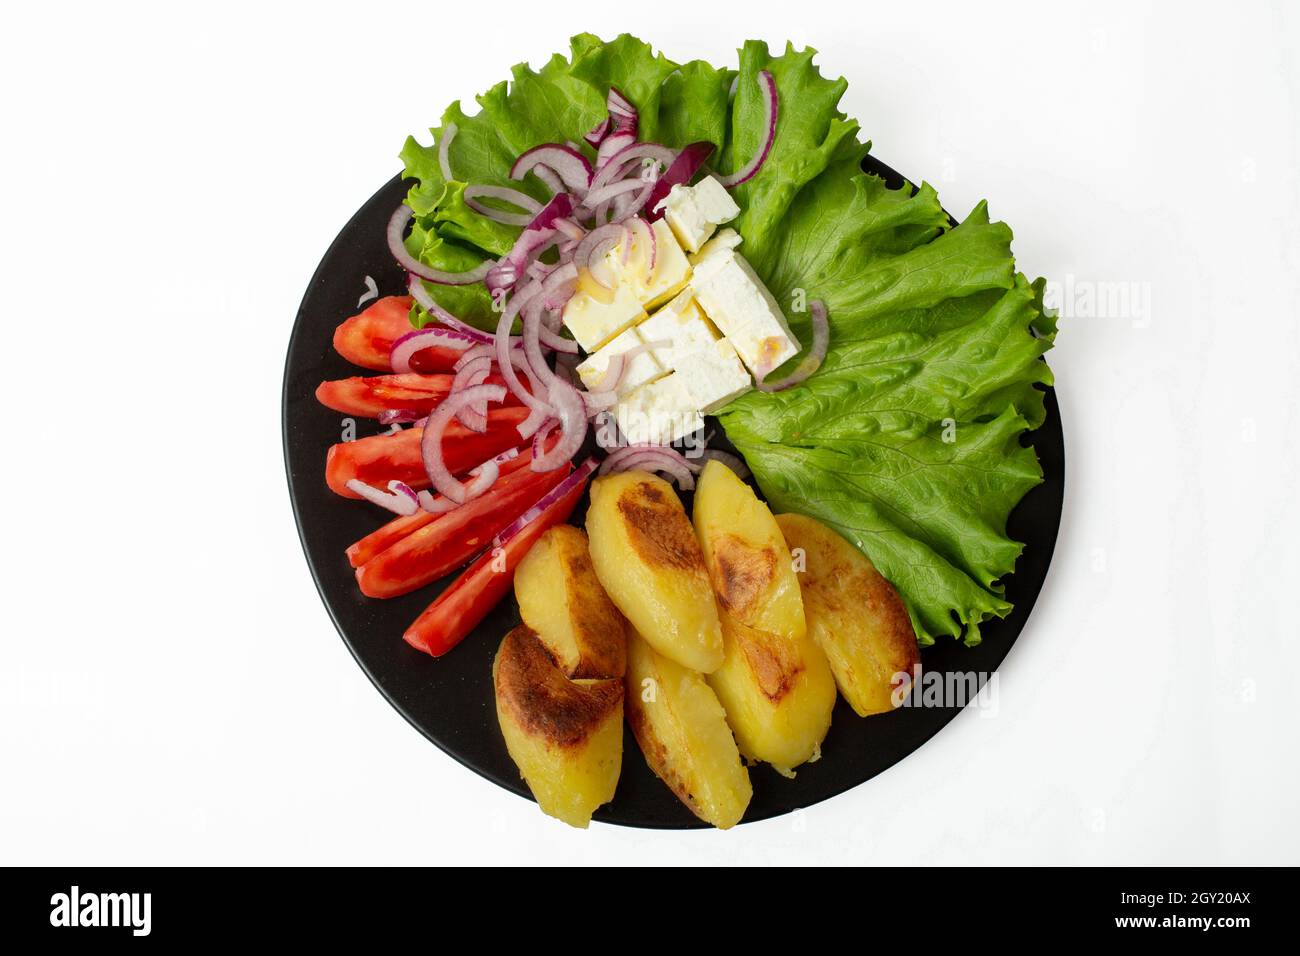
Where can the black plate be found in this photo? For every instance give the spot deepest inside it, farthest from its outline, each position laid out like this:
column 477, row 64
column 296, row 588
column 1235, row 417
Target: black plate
column 449, row 700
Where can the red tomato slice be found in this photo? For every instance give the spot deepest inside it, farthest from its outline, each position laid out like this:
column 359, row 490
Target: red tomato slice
column 386, row 536
column 459, row 609
column 394, row 531
column 379, row 459
column 441, row 547
column 367, row 396
column 367, row 338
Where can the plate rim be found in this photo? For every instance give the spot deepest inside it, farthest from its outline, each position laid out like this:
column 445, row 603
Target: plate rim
column 299, row 331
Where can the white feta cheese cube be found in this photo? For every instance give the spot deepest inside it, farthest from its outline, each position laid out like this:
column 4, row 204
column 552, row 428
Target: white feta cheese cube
column 595, row 315
column 693, row 212
column 724, row 240
column 671, row 269
column 713, row 376
column 658, row 413
column 682, row 325
column 745, row 312
column 643, row 367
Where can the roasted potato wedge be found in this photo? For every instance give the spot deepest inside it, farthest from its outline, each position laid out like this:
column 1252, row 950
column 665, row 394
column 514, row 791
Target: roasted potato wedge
column 854, row 615
column 561, row 599
column 648, row 559
column 566, row 737
column 747, row 558
column 778, row 693
column 774, row 682
column 683, row 732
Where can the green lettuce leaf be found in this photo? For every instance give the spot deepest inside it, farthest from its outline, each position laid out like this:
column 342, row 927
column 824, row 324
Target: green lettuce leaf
column 694, row 106
column 908, row 438
column 558, row 103
column 810, row 131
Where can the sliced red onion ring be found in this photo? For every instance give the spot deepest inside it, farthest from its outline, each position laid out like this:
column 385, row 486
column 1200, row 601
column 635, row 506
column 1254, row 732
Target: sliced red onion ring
column 535, row 420
column 613, row 144
column 571, row 481
column 549, row 179
column 643, row 233
column 598, row 133
column 629, row 205
column 652, row 462
column 679, row 173
column 620, row 107
column 532, row 347
column 509, row 359
column 570, row 229
column 478, row 351
column 621, row 129
column 539, row 236
column 397, row 229
column 734, row 462
column 570, row 409
column 538, row 439
column 516, row 198
column 437, row 505
column 568, row 163
column 556, row 292
column 628, row 452
column 767, row 85
column 623, row 452
column 622, row 164
column 626, row 241
column 473, row 417
column 816, row 355
column 440, row 504
column 399, row 416
column 415, row 285
column 444, row 151
column 431, row 441
column 399, row 498
column 606, row 193
column 593, row 249
column 485, row 476
column 537, row 416
column 628, row 202
column 560, row 207
column 407, row 345
column 514, row 265
column 598, row 402
column 553, row 340
column 619, row 364
column 510, row 454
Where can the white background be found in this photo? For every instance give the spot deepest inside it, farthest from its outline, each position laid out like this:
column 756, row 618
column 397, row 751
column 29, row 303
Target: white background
column 171, row 690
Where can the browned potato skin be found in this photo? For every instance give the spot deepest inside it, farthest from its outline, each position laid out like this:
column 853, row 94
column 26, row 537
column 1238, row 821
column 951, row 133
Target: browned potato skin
column 561, row 599
column 565, row 736
column 853, row 614
column 683, row 732
column 648, row 559
column 774, row 682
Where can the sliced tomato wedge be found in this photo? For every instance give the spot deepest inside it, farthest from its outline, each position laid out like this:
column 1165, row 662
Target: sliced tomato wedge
column 367, row 396
column 460, row 608
column 383, row 538
column 379, row 459
column 368, row 337
column 442, row 546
